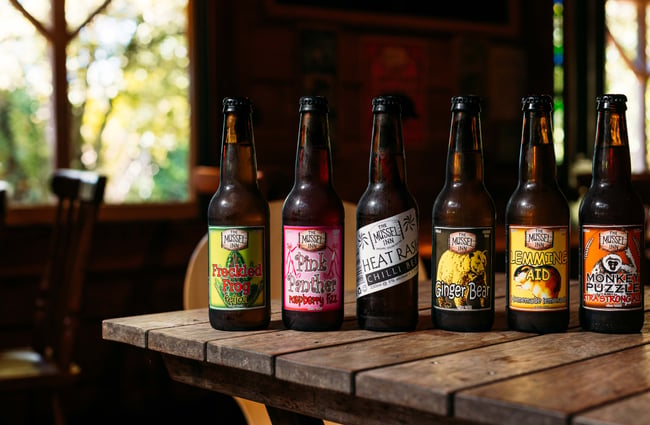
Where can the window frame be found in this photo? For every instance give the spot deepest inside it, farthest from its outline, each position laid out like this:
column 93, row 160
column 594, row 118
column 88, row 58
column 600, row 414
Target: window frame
column 141, row 211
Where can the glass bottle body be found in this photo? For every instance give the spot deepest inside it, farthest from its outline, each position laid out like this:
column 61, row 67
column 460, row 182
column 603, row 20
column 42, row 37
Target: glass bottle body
column 238, row 231
column 313, row 228
column 387, row 231
column 463, row 230
column 612, row 219
column 537, row 231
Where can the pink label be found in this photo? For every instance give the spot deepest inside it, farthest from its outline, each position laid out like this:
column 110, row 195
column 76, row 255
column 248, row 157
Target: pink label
column 313, row 268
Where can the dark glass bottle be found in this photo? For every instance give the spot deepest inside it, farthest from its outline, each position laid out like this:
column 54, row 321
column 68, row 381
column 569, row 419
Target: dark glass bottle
column 464, row 216
column 238, row 230
column 611, row 230
column 537, row 230
column 312, row 230
column 387, row 230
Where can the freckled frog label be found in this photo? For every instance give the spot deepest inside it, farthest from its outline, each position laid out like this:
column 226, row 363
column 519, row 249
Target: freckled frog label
column 236, row 267
column 313, row 268
column 387, row 253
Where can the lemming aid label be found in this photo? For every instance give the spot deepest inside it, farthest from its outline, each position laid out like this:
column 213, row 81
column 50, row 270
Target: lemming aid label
column 463, row 279
column 387, row 253
column 236, row 267
column 611, row 260
column 313, row 268
column 538, row 269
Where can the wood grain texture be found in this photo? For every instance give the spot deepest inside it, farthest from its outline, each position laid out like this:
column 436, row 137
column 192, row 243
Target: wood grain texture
column 634, row 410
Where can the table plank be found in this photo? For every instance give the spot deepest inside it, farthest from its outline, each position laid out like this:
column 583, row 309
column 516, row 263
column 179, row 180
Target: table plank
column 629, row 411
column 134, row 329
column 555, row 395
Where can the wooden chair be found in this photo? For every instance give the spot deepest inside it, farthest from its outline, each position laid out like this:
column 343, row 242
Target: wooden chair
column 195, row 289
column 47, row 366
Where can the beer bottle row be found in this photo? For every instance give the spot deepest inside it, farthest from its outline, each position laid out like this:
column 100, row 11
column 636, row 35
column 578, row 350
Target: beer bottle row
column 537, row 223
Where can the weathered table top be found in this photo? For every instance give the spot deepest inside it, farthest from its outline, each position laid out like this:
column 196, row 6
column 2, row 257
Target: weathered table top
column 355, row 376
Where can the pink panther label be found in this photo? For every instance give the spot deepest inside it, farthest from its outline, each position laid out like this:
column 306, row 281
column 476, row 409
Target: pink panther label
column 313, row 268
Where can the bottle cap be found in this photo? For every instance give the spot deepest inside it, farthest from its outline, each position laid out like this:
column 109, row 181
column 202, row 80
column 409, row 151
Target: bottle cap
column 611, row 101
column 538, row 102
column 233, row 104
column 386, row 104
column 470, row 103
column 313, row 103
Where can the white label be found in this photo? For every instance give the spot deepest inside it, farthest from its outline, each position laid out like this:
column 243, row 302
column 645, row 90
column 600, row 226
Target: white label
column 387, row 252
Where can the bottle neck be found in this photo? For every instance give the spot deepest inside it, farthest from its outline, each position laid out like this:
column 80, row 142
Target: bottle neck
column 387, row 156
column 612, row 150
column 238, row 161
column 313, row 162
column 465, row 153
column 537, row 156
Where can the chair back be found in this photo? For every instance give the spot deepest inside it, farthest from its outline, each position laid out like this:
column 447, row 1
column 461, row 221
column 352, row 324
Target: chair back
column 4, row 189
column 79, row 195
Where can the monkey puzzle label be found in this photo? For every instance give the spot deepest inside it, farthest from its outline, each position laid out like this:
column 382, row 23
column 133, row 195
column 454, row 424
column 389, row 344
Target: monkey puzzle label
column 462, row 270
column 313, row 268
column 236, row 267
column 538, row 268
column 387, row 253
column 611, row 276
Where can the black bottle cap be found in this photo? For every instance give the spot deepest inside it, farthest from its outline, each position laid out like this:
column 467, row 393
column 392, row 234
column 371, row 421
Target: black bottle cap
column 537, row 102
column 611, row 101
column 386, row 104
column 233, row 104
column 313, row 103
column 469, row 103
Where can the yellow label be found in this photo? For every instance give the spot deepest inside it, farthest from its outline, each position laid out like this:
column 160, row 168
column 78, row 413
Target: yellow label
column 538, row 268
column 236, row 267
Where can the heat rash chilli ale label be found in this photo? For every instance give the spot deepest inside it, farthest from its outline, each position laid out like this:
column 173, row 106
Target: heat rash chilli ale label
column 538, row 268
column 611, row 260
column 313, row 268
column 387, row 253
column 236, row 267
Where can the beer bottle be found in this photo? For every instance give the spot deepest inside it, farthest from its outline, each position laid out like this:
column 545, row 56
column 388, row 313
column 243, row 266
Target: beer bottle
column 238, row 230
column 312, row 230
column 463, row 229
column 387, row 230
column 537, row 230
column 611, row 230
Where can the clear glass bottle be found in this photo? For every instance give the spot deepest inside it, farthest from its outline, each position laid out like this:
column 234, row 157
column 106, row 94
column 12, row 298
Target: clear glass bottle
column 612, row 220
column 313, row 230
column 463, row 229
column 537, row 230
column 387, row 230
column 238, row 230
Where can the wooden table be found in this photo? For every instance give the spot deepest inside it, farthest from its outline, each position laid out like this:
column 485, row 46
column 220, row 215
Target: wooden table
column 428, row 376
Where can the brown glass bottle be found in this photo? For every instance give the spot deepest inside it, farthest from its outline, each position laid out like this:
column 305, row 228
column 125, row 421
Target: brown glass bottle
column 238, row 230
column 537, row 230
column 463, row 216
column 611, row 230
column 312, row 230
column 387, row 230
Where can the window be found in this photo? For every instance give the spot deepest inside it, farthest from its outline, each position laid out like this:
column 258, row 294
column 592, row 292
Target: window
column 626, row 69
column 100, row 85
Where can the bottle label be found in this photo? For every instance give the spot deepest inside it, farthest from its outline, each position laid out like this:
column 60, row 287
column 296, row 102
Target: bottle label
column 236, row 267
column 611, row 272
column 463, row 268
column 387, row 253
column 313, row 268
column 538, row 269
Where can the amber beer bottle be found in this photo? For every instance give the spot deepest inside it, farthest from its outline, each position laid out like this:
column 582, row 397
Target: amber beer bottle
column 537, row 230
column 611, row 230
column 463, row 229
column 312, row 230
column 238, row 230
column 387, row 230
